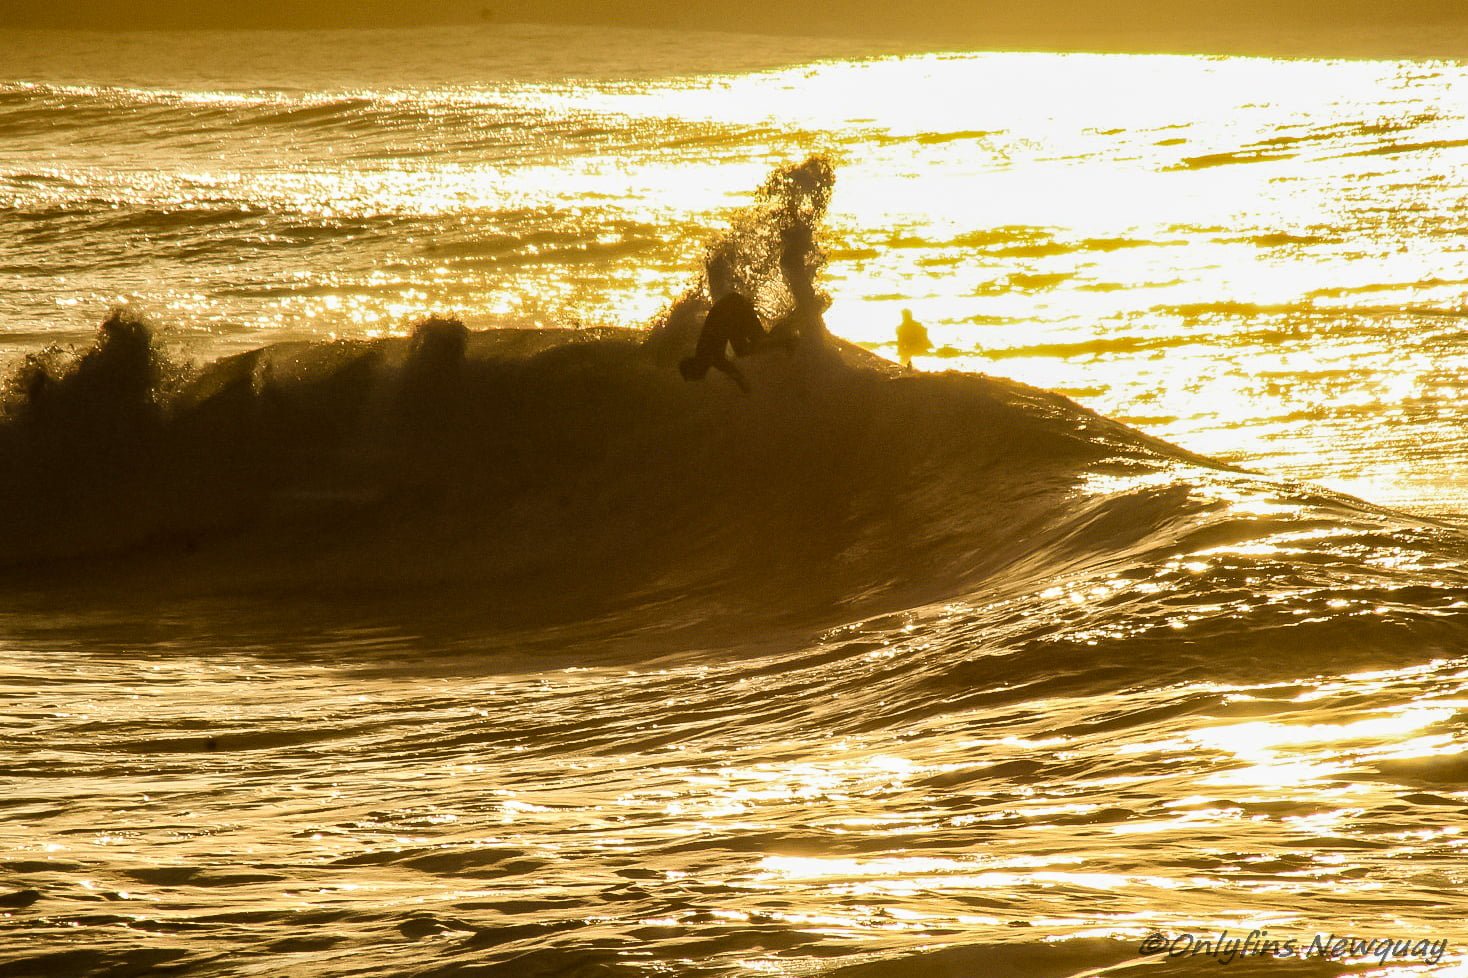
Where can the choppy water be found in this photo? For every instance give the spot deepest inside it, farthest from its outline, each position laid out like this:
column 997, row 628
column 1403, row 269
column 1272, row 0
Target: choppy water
column 337, row 658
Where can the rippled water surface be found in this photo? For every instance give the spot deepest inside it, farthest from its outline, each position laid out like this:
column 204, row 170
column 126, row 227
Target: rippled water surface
column 867, row 674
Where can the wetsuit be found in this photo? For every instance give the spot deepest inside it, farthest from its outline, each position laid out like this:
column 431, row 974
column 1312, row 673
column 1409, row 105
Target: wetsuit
column 731, row 322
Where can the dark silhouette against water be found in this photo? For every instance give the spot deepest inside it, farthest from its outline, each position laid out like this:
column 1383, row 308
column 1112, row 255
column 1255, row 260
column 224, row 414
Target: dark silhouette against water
column 732, row 322
column 770, row 258
column 912, row 339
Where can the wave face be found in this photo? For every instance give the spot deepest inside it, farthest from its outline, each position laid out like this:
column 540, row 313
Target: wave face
column 552, row 476
column 543, row 477
column 573, row 463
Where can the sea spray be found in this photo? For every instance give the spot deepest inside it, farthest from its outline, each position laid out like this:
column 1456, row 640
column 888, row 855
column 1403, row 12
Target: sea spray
column 791, row 203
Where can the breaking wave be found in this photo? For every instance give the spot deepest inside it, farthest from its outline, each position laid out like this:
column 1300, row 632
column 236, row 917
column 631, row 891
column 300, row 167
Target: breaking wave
column 562, row 476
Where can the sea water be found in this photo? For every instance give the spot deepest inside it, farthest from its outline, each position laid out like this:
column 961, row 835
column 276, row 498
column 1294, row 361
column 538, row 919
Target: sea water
column 557, row 665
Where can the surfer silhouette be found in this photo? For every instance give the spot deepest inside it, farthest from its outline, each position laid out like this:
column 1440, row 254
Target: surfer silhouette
column 734, row 322
column 912, row 339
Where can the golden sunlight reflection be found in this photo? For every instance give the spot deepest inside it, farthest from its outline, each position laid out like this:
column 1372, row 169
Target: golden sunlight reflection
column 1271, row 749
column 917, row 874
column 616, row 674
column 1165, row 238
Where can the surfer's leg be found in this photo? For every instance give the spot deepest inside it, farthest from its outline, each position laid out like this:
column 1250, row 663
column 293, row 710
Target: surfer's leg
column 747, row 333
column 733, row 373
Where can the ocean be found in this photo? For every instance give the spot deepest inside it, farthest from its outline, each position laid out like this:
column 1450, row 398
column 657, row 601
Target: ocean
column 1125, row 634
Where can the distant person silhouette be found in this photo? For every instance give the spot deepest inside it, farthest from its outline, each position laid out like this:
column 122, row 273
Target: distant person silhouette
column 912, row 339
column 732, row 321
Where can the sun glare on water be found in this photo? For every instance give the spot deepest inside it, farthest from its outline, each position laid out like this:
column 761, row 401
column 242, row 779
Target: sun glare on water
column 505, row 650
